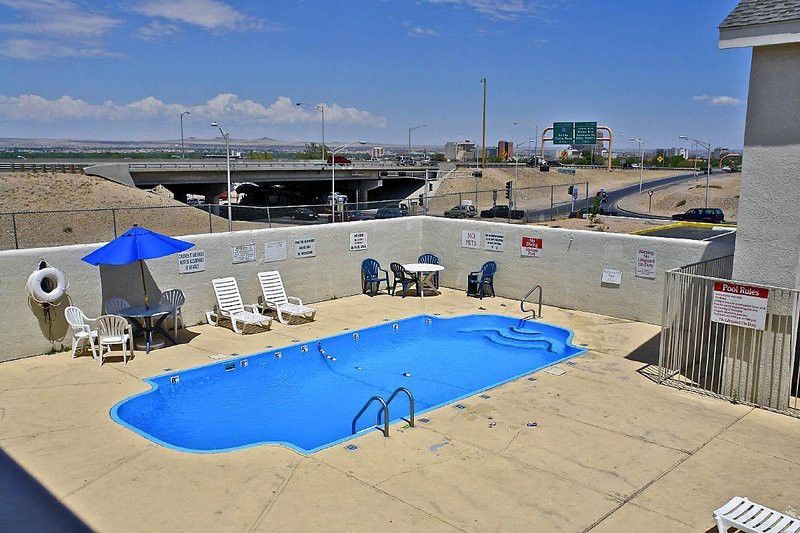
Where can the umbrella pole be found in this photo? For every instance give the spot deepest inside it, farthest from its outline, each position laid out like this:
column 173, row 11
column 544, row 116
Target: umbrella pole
column 144, row 284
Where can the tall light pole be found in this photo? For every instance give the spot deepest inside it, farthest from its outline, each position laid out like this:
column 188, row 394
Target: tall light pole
column 513, row 200
column 483, row 139
column 227, row 137
column 333, row 175
column 409, row 135
column 321, row 109
column 534, row 128
column 641, row 160
column 183, row 150
column 707, row 146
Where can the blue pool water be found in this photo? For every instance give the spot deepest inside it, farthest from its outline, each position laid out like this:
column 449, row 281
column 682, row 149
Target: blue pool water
column 297, row 397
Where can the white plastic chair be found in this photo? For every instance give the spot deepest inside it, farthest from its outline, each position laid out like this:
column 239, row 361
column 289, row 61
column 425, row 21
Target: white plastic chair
column 115, row 305
column 82, row 331
column 114, row 330
column 275, row 298
column 751, row 517
column 176, row 299
column 230, row 306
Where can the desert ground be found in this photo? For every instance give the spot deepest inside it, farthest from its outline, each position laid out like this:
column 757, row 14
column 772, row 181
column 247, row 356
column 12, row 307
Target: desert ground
column 723, row 192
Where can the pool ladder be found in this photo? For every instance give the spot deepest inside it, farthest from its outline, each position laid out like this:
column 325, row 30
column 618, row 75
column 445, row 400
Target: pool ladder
column 385, row 410
column 524, row 300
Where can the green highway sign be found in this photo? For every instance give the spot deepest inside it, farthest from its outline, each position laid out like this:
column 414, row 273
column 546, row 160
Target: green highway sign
column 563, row 132
column 574, row 132
column 585, row 132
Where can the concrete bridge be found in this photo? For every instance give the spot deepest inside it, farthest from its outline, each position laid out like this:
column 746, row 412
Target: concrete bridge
column 209, row 178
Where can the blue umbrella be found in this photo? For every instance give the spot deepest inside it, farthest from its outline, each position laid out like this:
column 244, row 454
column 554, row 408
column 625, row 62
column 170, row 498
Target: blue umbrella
column 136, row 244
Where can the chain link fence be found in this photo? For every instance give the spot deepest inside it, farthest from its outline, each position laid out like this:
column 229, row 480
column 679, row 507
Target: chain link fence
column 35, row 229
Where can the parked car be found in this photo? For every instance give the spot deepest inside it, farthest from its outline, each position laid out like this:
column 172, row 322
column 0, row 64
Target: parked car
column 713, row 215
column 389, row 212
column 304, row 213
column 502, row 211
column 350, row 216
column 461, row 211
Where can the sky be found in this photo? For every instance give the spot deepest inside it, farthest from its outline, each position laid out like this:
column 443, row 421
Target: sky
column 126, row 70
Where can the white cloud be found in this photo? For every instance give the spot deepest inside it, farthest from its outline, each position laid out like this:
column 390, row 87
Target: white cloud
column 56, row 28
column 498, row 9
column 417, row 31
column 718, row 100
column 157, row 30
column 226, row 107
column 210, row 15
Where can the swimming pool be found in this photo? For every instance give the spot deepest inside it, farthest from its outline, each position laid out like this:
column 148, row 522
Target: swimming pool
column 306, row 395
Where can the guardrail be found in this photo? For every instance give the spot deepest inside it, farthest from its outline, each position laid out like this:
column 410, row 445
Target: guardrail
column 266, row 165
column 44, row 167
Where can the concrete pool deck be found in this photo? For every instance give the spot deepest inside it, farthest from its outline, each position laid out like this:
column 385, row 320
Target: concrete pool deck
column 612, row 450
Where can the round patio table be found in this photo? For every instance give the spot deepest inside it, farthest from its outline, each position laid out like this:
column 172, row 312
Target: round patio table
column 147, row 319
column 424, row 272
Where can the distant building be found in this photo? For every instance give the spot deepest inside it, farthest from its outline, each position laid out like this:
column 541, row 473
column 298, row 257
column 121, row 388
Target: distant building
column 719, row 152
column 491, row 151
column 505, row 150
column 680, row 152
column 378, row 152
column 459, row 151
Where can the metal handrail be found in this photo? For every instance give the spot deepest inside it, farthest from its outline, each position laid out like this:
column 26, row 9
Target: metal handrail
column 525, row 298
column 385, row 410
column 407, row 392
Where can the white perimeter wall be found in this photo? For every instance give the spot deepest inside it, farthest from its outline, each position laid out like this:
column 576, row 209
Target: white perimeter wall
column 569, row 269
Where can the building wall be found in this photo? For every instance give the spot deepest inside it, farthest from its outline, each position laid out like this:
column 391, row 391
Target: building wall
column 768, row 237
column 569, row 269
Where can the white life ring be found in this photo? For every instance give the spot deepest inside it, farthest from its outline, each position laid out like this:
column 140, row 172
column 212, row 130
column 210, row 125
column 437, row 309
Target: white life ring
column 50, row 291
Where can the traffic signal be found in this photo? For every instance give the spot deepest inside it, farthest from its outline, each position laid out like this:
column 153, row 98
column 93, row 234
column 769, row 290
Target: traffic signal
column 430, row 186
column 421, row 199
column 571, row 188
column 508, row 189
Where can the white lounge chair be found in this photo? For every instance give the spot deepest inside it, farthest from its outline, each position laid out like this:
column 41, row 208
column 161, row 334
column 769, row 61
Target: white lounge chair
column 175, row 298
column 115, row 305
column 230, row 306
column 275, row 298
column 113, row 330
column 751, row 517
column 81, row 329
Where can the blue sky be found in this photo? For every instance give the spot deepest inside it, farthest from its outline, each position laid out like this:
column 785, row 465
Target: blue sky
column 108, row 70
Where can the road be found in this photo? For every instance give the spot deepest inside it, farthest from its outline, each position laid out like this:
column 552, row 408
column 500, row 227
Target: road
column 614, row 196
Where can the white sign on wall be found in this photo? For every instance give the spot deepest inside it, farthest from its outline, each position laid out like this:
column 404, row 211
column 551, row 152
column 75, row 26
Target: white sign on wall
column 191, row 261
column 646, row 264
column 494, row 242
column 739, row 305
column 470, row 239
column 305, row 248
column 531, row 247
column 358, row 241
column 245, row 253
column 612, row 277
column 274, row 251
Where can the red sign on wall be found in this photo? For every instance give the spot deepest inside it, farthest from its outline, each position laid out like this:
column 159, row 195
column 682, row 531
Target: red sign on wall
column 531, row 247
column 739, row 305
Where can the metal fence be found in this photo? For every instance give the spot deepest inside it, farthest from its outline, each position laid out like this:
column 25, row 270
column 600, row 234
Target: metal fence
column 741, row 364
column 545, row 202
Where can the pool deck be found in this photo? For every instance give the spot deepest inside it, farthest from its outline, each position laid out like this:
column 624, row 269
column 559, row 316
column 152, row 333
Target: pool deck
column 611, row 451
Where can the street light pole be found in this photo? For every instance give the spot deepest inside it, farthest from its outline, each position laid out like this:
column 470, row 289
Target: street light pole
column 409, row 136
column 641, row 161
column 183, row 150
column 707, row 146
column 227, row 137
column 483, row 139
column 321, row 109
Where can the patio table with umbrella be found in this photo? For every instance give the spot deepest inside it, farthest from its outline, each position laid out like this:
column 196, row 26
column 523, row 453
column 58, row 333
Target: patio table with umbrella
column 138, row 244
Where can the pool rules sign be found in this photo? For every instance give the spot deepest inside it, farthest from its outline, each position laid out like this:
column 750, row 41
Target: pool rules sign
column 739, row 305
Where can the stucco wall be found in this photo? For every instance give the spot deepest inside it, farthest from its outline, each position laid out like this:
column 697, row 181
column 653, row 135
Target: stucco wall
column 569, row 269
column 768, row 236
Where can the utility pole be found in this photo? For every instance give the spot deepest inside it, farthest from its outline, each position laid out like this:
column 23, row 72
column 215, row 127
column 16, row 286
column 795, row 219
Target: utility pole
column 183, row 149
column 483, row 140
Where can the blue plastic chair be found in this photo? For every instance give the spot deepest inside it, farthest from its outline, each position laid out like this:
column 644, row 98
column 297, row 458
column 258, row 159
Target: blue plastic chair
column 403, row 277
column 371, row 277
column 482, row 281
column 430, row 259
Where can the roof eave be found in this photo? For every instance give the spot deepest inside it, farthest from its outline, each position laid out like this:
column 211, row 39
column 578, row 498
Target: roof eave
column 760, row 35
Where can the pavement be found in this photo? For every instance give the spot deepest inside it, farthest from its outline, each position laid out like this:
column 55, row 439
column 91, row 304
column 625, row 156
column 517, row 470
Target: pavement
column 612, row 450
